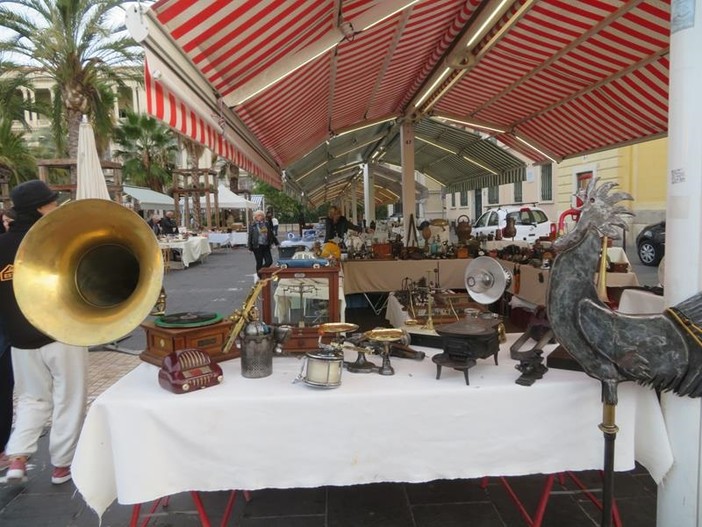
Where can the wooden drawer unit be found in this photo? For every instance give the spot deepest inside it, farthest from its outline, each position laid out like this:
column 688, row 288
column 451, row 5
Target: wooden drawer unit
column 210, row 339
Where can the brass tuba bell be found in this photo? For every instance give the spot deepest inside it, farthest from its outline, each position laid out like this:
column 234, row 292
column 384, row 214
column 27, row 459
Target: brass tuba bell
column 88, row 273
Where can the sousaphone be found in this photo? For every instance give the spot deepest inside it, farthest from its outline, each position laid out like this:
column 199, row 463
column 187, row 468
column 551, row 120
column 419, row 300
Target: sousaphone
column 88, row 273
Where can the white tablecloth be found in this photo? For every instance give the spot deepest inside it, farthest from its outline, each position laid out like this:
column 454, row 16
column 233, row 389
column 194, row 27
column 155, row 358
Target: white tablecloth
column 365, row 276
column 193, row 249
column 219, row 238
column 140, row 442
column 394, row 312
column 238, row 238
column 638, row 301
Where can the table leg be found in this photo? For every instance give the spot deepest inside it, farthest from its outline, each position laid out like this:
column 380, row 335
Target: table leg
column 204, row 520
column 465, row 374
column 540, row 508
column 136, row 510
column 438, row 371
column 616, row 518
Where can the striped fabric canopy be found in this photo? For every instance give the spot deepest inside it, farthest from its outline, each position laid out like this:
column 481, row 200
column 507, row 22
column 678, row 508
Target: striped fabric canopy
column 266, row 82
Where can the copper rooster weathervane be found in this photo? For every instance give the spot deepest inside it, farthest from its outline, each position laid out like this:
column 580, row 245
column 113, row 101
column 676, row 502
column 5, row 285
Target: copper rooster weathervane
column 663, row 351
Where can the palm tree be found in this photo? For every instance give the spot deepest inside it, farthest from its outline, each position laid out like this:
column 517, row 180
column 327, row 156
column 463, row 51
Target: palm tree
column 71, row 42
column 146, row 148
column 16, row 161
column 12, row 105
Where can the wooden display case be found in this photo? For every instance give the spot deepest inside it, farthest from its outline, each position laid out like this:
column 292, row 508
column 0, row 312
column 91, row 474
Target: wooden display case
column 302, row 298
column 210, row 339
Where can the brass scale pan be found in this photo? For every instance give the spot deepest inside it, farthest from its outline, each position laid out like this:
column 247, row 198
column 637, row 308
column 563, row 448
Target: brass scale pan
column 88, row 272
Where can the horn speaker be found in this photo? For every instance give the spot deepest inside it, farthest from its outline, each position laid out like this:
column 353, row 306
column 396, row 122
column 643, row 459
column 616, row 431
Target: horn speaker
column 486, row 280
column 88, row 272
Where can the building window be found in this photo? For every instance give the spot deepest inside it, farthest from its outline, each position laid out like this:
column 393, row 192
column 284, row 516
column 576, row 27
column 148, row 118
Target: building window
column 546, row 182
column 518, row 194
column 453, row 199
column 493, row 194
column 464, row 198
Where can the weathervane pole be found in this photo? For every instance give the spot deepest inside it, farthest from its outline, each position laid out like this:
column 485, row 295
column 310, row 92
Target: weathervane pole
column 609, row 429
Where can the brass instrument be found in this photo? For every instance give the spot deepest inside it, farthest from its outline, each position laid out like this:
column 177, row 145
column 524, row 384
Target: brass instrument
column 88, row 273
column 241, row 316
column 602, row 276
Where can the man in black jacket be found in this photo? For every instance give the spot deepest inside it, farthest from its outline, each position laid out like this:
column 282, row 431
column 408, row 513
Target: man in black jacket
column 337, row 225
column 50, row 377
column 168, row 223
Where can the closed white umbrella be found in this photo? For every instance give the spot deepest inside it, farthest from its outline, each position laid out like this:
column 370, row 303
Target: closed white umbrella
column 90, row 181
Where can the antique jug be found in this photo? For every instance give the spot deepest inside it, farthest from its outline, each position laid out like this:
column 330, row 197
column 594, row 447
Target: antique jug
column 463, row 229
column 510, row 231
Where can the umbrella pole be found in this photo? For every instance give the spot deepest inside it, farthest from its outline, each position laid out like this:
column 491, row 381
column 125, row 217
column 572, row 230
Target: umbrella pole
column 609, row 429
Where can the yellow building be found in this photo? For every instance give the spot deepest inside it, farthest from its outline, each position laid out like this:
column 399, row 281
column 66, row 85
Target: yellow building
column 639, row 169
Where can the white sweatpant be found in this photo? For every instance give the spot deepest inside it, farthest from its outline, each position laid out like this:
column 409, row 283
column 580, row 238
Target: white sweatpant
column 50, row 382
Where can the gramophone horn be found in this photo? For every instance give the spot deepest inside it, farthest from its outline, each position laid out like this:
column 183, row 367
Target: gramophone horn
column 88, row 272
column 486, row 280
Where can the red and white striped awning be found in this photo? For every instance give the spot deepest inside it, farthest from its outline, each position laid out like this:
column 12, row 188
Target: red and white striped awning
column 549, row 78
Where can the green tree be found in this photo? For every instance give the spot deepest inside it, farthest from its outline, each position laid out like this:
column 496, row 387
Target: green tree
column 146, row 148
column 286, row 209
column 73, row 43
column 16, row 160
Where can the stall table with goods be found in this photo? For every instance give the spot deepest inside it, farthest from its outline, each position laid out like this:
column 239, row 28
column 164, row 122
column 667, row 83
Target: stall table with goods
column 493, row 427
column 189, row 250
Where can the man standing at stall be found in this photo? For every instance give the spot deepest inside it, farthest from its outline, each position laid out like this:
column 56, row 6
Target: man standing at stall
column 337, row 225
column 51, row 378
column 168, row 223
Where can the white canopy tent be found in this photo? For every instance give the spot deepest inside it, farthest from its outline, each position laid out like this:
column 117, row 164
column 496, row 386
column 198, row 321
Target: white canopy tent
column 229, row 200
column 149, row 199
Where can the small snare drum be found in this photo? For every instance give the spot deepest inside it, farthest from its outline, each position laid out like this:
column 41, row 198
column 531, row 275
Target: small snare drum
column 323, row 369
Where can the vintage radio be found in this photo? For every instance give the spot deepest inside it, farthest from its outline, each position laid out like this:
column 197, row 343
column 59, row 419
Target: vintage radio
column 188, row 370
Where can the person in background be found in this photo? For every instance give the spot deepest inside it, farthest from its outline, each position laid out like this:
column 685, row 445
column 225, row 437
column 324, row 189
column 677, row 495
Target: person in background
column 155, row 224
column 6, row 217
column 169, row 224
column 337, row 225
column 273, row 221
column 51, row 378
column 301, row 221
column 260, row 239
column 7, row 379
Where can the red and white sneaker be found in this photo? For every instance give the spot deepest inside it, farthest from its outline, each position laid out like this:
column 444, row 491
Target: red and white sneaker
column 17, row 471
column 61, row 475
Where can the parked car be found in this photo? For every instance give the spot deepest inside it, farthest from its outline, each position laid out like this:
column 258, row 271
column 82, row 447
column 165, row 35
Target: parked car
column 531, row 222
column 650, row 243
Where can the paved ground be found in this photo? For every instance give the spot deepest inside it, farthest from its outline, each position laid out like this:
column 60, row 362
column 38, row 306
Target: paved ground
column 221, row 284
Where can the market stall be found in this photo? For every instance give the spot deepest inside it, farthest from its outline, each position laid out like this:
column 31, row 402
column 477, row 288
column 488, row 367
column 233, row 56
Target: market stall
column 190, row 250
column 485, row 429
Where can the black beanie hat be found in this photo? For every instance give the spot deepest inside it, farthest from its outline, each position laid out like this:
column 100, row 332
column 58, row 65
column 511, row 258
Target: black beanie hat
column 31, row 195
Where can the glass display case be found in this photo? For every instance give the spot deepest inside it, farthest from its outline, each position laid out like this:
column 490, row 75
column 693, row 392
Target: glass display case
column 302, row 298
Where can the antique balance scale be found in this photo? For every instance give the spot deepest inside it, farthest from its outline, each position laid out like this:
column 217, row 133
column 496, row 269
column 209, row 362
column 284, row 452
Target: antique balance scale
column 322, row 368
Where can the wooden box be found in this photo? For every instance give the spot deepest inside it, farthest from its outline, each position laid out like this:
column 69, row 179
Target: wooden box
column 210, row 339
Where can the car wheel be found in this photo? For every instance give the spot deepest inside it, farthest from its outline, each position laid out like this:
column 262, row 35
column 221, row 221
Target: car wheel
column 649, row 254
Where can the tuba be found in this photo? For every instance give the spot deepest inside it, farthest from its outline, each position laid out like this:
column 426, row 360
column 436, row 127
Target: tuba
column 88, row 273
